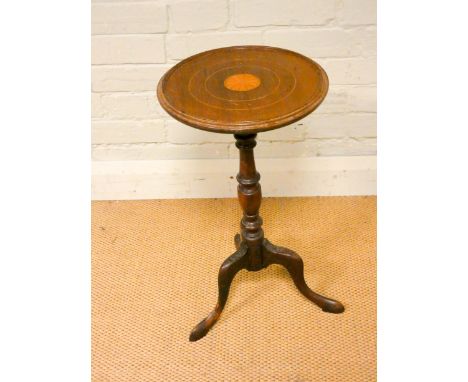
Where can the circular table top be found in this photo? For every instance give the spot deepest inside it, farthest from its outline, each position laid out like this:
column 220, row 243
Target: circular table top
column 242, row 89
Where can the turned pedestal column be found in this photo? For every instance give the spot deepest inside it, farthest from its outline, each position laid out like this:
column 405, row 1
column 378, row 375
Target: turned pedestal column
column 243, row 91
column 250, row 197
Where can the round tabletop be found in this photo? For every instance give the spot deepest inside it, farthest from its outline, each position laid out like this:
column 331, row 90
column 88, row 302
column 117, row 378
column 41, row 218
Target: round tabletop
column 242, row 89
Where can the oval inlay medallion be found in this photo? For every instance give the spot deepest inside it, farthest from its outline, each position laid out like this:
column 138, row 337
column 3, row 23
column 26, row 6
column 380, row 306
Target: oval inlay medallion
column 242, row 82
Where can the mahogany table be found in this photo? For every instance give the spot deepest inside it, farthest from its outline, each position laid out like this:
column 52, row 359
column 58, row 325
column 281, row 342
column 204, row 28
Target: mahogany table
column 245, row 90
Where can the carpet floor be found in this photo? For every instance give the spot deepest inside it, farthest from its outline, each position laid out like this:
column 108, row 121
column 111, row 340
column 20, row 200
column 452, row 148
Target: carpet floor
column 154, row 276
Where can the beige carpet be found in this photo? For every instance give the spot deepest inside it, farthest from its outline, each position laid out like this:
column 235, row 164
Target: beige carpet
column 155, row 267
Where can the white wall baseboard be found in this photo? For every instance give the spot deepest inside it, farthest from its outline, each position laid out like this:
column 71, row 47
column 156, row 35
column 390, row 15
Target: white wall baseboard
column 216, row 178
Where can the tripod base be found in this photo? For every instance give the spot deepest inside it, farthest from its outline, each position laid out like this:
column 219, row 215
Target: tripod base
column 270, row 254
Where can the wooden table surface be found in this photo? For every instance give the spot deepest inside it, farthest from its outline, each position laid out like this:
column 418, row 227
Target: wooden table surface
column 243, row 89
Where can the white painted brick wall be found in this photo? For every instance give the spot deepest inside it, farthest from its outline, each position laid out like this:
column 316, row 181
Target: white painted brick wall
column 250, row 13
column 126, row 78
column 182, row 46
column 127, row 106
column 197, row 15
column 129, row 131
column 359, row 12
column 134, row 42
column 126, row 18
column 128, row 49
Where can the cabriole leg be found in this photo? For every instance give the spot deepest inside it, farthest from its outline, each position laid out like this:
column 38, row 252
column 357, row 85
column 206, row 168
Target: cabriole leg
column 227, row 272
column 295, row 266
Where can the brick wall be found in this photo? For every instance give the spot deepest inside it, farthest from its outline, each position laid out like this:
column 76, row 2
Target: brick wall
column 135, row 42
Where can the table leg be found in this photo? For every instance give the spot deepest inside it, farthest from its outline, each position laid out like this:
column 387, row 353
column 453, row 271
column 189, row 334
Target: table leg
column 273, row 254
column 237, row 241
column 227, row 272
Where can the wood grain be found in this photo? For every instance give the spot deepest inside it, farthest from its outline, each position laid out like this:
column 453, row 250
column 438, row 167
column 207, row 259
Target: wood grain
column 242, row 89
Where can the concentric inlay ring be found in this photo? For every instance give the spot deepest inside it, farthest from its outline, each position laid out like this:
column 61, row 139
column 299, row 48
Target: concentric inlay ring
column 242, row 89
column 270, row 84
